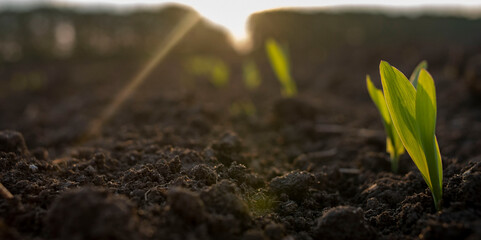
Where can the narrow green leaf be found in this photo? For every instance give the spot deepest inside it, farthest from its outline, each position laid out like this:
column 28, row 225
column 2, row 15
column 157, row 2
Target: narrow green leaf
column 278, row 59
column 252, row 78
column 440, row 163
column 400, row 96
column 426, row 119
column 394, row 145
column 378, row 99
column 280, row 64
column 414, row 76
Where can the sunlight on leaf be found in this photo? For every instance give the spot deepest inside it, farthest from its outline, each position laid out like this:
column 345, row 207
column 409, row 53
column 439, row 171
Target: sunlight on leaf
column 426, row 118
column 413, row 114
column 414, row 76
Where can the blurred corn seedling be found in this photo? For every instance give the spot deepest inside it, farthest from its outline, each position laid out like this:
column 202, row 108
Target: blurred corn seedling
column 279, row 59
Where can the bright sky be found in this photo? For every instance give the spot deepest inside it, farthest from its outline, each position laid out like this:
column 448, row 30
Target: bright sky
column 233, row 14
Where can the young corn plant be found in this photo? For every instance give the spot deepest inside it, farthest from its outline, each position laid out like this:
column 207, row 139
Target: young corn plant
column 413, row 114
column 214, row 68
column 279, row 59
column 394, row 145
column 252, row 77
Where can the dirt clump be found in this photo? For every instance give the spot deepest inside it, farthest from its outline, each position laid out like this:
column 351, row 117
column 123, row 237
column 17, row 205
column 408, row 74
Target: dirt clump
column 90, row 213
column 343, row 222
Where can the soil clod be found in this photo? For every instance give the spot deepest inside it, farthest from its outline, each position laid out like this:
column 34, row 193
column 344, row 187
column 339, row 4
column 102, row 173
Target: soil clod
column 12, row 141
column 295, row 184
column 343, row 222
column 90, row 213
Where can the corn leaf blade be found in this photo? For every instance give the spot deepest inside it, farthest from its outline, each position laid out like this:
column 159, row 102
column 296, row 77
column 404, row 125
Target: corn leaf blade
column 400, row 96
column 426, row 119
column 394, row 145
column 378, row 98
column 280, row 64
column 415, row 75
column 278, row 59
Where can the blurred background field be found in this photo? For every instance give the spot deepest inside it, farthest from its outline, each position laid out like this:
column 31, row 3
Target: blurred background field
column 67, row 64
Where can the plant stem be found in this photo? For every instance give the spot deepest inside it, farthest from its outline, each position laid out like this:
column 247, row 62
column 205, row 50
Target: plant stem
column 395, row 164
column 437, row 203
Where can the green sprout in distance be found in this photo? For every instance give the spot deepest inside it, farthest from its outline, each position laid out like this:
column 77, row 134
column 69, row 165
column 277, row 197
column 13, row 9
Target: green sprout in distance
column 413, row 113
column 212, row 67
column 252, row 78
column 279, row 60
column 394, row 144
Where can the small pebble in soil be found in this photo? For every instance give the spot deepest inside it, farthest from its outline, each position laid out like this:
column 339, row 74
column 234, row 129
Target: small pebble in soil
column 33, row 168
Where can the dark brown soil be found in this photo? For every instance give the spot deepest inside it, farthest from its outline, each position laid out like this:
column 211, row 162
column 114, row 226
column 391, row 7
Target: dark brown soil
column 173, row 163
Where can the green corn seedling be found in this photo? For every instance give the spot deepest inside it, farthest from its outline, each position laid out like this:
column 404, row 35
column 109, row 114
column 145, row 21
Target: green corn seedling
column 252, row 78
column 279, row 60
column 394, row 144
column 212, row 67
column 413, row 114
